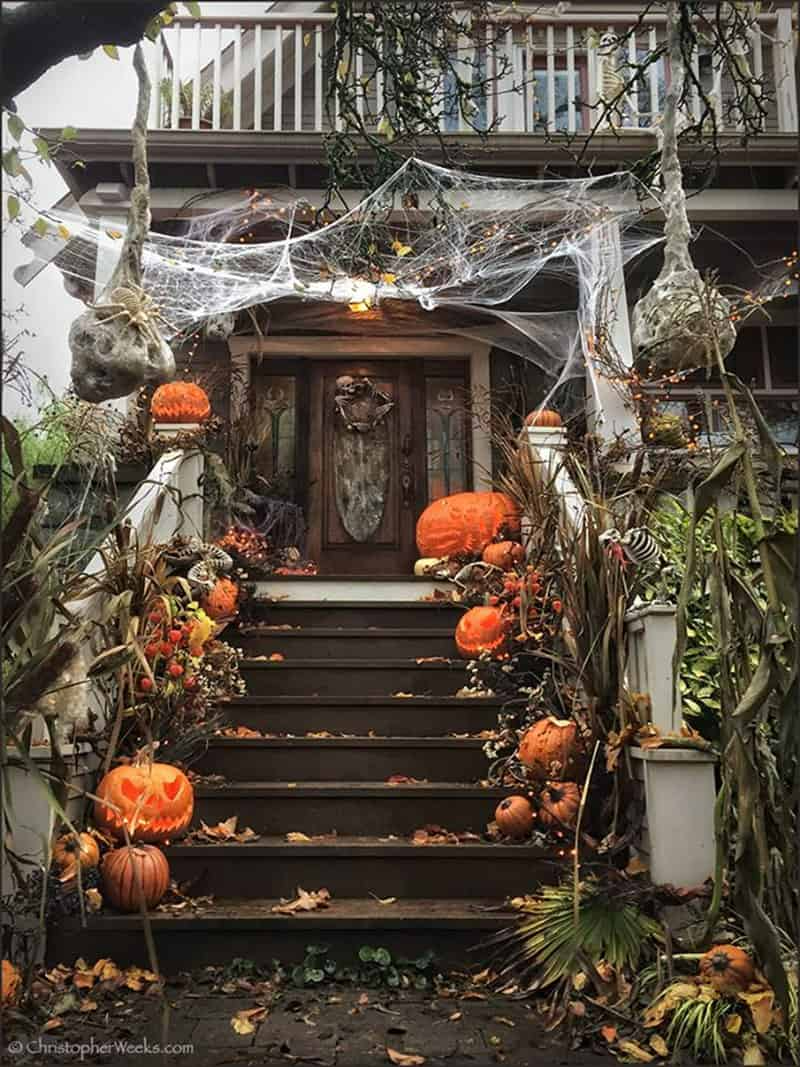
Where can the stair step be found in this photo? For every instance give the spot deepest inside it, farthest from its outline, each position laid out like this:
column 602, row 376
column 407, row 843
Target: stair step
column 373, row 808
column 402, row 614
column 342, row 677
column 349, row 866
column 248, row 928
column 418, row 716
column 350, row 759
column 326, row 642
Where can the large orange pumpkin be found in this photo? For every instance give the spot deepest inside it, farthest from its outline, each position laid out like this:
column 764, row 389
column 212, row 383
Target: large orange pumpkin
column 10, row 983
column 552, row 749
column 482, row 630
column 559, row 803
column 543, row 418
column 514, row 817
column 156, row 802
column 221, row 602
column 133, row 872
column 504, row 554
column 465, row 523
column 180, row 402
column 727, row 968
column 70, row 849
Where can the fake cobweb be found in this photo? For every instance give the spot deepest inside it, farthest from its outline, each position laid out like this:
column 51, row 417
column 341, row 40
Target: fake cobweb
column 530, row 266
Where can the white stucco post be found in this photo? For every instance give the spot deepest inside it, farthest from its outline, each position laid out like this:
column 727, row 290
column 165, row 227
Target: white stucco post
column 677, row 839
column 610, row 411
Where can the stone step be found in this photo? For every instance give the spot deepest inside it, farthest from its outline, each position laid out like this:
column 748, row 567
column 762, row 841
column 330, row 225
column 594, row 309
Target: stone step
column 355, row 613
column 348, row 808
column 351, row 643
column 248, row 928
column 344, row 759
column 360, row 866
column 418, row 716
column 323, row 677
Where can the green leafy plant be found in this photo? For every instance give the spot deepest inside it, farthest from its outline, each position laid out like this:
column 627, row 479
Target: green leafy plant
column 186, row 102
column 698, row 1026
column 548, row 945
column 375, row 967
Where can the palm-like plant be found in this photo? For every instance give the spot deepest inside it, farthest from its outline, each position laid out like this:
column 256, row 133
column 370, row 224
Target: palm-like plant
column 548, row 945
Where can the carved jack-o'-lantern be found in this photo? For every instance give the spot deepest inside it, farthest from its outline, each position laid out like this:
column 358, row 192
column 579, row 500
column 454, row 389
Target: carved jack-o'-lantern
column 155, row 802
column 482, row 630
column 465, row 523
column 180, row 402
column 222, row 600
column 132, row 873
column 504, row 554
column 552, row 748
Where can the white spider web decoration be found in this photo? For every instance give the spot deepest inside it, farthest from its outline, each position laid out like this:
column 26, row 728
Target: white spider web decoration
column 470, row 246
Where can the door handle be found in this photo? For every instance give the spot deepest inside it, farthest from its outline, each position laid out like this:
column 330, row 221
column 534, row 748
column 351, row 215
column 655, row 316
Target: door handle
column 407, row 488
column 407, row 472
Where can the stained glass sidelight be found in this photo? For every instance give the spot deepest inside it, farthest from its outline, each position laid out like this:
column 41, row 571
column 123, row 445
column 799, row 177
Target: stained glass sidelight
column 447, row 436
column 276, row 403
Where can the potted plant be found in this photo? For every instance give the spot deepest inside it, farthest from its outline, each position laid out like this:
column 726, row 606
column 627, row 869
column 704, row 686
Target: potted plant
column 186, row 102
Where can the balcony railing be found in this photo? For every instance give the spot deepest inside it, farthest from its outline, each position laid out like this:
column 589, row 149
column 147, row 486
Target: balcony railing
column 271, row 74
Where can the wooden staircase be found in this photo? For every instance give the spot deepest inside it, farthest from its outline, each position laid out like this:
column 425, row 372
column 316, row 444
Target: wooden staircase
column 345, row 663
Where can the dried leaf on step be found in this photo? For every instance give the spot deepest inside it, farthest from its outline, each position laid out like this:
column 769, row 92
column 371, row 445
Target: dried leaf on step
column 733, row 1023
column 404, row 779
column 432, row 659
column 223, row 831
column 88, row 1005
column 94, row 900
column 240, row 731
column 504, row 1021
column 402, row 694
column 636, row 866
column 577, row 1008
column 304, row 901
column 659, row 1045
column 455, row 1016
column 385, row 900
column 296, row 837
column 635, row 1052
column 52, row 1024
column 753, row 1056
column 404, row 1059
column 761, row 1006
column 245, row 1021
column 609, row 1033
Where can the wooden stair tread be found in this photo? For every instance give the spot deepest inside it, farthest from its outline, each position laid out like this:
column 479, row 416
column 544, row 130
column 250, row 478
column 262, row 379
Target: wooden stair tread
column 279, row 630
column 346, row 741
column 354, row 664
column 351, row 913
column 368, row 701
column 356, row 846
column 337, row 788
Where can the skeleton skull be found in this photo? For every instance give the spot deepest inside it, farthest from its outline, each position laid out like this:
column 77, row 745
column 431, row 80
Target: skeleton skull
column 113, row 358
column 220, row 327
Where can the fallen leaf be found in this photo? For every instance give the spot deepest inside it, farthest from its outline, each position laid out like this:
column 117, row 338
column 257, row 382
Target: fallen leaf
column 245, row 1021
column 502, row 1019
column 455, row 1016
column 577, row 1008
column 404, row 695
column 94, row 899
column 733, row 1023
column 223, row 831
column 88, row 1005
column 240, row 731
column 579, row 980
column 363, row 999
column 432, row 659
column 753, row 1056
column 672, row 996
column 297, row 837
column 403, row 779
column 635, row 1052
column 404, row 1059
column 276, row 657
column 304, row 901
column 609, row 1033
column 636, row 866
column 761, row 1008
column 52, row 1024
column 659, row 1045
column 386, row 900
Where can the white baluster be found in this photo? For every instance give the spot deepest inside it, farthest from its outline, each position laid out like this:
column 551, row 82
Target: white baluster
column 633, row 92
column 551, row 80
column 318, row 78
column 652, row 74
column 278, row 83
column 196, row 79
column 298, row 77
column 176, row 79
column 716, row 92
column 491, row 67
column 258, row 89
column 785, row 77
column 237, row 77
column 530, row 88
column 216, row 106
column 591, row 73
column 359, row 87
column 157, row 75
column 571, row 87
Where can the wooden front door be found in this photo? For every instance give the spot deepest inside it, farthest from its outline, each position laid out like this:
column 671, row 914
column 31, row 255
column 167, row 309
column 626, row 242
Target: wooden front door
column 366, row 478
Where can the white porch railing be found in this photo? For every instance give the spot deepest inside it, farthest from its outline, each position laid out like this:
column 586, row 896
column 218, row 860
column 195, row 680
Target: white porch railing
column 271, row 73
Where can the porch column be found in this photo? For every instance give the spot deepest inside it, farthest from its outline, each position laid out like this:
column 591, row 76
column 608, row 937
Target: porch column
column 610, row 411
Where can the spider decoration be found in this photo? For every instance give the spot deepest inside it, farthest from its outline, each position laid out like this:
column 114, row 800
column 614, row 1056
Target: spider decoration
column 138, row 307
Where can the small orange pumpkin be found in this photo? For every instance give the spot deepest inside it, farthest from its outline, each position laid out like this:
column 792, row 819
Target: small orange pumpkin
column 180, row 402
column 133, row 872
column 10, row 983
column 465, row 523
column 545, row 417
column 551, row 749
column 223, row 599
column 558, row 803
column 727, row 968
column 504, row 554
column 70, row 849
column 514, row 817
column 156, row 801
column 482, row 629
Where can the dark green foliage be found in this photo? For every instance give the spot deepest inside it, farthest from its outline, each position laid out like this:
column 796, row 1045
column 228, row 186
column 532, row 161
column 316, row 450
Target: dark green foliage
column 374, row 968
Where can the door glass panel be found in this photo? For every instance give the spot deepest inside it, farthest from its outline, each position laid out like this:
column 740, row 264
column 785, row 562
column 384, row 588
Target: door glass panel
column 446, row 436
column 275, row 434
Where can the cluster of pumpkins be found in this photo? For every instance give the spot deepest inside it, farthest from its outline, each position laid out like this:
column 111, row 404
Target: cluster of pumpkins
column 554, row 756
column 154, row 803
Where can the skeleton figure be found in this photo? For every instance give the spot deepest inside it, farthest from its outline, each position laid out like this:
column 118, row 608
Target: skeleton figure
column 637, row 546
column 116, row 344
column 610, row 82
column 220, row 327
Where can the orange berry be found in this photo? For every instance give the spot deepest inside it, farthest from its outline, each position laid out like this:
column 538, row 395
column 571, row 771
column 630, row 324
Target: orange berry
column 175, row 669
column 145, row 684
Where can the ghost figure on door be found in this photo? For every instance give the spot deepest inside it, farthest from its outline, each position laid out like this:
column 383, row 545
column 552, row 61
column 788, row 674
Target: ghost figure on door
column 362, row 456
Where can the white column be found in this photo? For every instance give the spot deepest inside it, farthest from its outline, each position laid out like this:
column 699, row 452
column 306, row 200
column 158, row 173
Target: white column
column 785, row 74
column 548, row 445
column 652, row 633
column 610, row 411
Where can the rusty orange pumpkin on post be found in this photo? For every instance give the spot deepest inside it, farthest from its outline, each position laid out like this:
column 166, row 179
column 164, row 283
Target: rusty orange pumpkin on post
column 155, row 802
column 132, row 873
column 544, row 418
column 180, row 402
column 463, row 524
column 482, row 629
column 552, row 749
column 514, row 817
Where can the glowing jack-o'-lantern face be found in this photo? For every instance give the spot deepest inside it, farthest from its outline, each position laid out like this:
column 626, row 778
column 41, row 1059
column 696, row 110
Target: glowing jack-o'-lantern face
column 153, row 802
column 482, row 630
